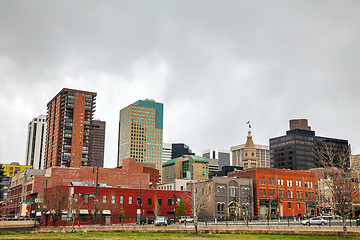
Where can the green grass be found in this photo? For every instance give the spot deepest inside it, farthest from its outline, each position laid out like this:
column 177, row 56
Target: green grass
column 159, row 236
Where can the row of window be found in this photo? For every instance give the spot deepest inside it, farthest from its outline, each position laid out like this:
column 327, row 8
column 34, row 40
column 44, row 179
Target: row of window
column 289, row 182
column 290, row 194
column 122, row 200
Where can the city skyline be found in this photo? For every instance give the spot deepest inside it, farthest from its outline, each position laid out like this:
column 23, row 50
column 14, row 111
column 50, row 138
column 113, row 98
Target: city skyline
column 213, row 66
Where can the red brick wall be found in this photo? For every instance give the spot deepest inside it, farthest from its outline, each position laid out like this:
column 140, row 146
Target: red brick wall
column 285, row 175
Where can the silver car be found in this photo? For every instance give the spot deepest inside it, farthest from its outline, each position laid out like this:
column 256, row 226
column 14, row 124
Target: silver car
column 315, row 221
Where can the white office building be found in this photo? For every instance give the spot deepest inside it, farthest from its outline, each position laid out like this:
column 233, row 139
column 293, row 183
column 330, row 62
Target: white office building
column 166, row 152
column 36, row 138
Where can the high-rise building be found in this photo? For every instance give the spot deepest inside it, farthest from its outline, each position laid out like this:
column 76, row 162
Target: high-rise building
column 166, row 152
column 220, row 154
column 295, row 150
column 141, row 133
column 69, row 117
column 180, row 149
column 36, row 138
column 262, row 154
column 97, row 143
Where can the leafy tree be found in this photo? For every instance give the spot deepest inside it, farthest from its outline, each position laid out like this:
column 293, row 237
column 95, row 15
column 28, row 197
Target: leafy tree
column 180, row 210
column 157, row 209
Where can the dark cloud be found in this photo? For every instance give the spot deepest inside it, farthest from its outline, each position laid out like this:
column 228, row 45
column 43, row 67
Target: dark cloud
column 214, row 65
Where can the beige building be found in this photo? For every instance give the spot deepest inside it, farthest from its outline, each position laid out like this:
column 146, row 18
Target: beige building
column 229, row 197
column 186, row 167
column 250, row 159
column 355, row 162
column 262, row 153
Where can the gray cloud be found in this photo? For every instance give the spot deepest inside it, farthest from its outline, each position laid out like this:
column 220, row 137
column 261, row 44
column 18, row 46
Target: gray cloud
column 214, row 65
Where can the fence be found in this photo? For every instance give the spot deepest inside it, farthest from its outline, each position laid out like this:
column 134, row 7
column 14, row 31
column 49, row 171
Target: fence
column 106, row 220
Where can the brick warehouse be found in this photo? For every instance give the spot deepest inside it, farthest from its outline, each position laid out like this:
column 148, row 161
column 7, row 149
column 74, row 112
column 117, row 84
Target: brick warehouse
column 281, row 192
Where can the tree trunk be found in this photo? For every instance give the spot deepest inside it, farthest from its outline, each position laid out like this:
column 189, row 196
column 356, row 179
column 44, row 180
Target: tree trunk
column 196, row 227
column 344, row 226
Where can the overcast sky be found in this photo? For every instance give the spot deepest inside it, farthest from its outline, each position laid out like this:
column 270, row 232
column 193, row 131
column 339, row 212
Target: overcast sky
column 214, row 65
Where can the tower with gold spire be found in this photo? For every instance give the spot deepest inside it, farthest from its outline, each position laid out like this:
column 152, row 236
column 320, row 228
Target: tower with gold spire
column 249, row 153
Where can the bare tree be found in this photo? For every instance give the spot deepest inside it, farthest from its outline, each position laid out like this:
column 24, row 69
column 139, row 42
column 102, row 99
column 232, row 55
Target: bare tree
column 57, row 201
column 201, row 194
column 340, row 183
column 157, row 209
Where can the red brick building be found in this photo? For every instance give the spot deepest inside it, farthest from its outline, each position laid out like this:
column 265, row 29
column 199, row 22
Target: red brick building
column 131, row 176
column 281, row 192
column 115, row 200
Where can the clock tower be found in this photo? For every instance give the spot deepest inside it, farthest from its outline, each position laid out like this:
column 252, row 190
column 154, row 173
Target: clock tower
column 249, row 153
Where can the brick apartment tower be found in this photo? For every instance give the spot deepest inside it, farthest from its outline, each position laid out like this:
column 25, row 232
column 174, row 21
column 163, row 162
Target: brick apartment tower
column 97, row 143
column 69, row 117
column 141, row 133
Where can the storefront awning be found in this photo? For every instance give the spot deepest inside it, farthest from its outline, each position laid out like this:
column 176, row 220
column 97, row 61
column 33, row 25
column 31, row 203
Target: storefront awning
column 310, row 205
column 84, row 211
column 106, row 212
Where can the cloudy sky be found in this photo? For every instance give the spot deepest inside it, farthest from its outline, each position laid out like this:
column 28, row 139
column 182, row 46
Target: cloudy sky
column 214, row 65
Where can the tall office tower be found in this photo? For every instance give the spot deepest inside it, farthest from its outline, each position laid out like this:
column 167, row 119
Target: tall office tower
column 222, row 155
column 141, row 133
column 295, row 149
column 180, row 149
column 69, row 118
column 262, row 153
column 166, row 152
column 35, row 147
column 97, row 143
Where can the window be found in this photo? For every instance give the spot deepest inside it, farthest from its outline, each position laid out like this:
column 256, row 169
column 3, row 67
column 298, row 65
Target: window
column 86, row 198
column 139, row 201
column 288, row 182
column 130, row 200
column 300, row 194
column 305, row 184
column 279, row 182
column 104, row 199
column 291, row 183
column 288, row 194
column 297, row 183
column 149, row 201
column 121, row 199
column 282, row 193
column 273, row 181
column 298, row 205
column 292, row 194
column 232, row 191
column 269, row 181
column 297, row 194
column 112, row 199
column 261, row 192
column 282, row 182
column 306, row 195
column 169, row 201
column 311, row 184
column 264, row 181
column 260, row 181
column 160, row 201
column 289, row 204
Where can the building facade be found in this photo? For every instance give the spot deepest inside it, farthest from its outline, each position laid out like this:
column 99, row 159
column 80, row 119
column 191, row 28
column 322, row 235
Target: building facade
column 355, row 162
column 177, row 185
column 29, row 185
column 141, row 133
column 180, row 149
column 36, row 139
column 97, row 143
column 295, row 150
column 166, row 152
column 69, row 118
column 229, row 198
column 223, row 156
column 262, row 153
column 186, row 167
column 281, row 192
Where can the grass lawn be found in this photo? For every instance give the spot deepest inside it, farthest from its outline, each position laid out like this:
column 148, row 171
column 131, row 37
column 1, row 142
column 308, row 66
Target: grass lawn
column 155, row 236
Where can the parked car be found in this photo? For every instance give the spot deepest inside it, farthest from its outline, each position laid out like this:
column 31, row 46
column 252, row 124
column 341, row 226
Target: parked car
column 187, row 219
column 326, row 216
column 337, row 217
column 145, row 220
column 314, row 221
column 163, row 221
